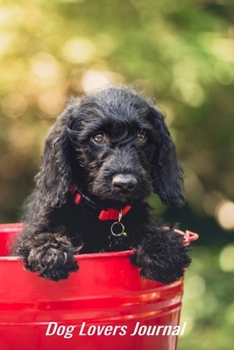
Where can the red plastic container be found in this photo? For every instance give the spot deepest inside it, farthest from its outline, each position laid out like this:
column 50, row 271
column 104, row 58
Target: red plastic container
column 106, row 305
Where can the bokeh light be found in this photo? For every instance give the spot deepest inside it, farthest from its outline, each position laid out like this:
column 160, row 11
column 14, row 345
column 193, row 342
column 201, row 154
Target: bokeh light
column 195, row 287
column 97, row 79
column 15, row 104
column 226, row 258
column 225, row 214
column 51, row 102
column 80, row 50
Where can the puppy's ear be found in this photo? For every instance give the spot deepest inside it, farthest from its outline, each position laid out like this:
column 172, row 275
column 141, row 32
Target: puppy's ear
column 167, row 173
column 55, row 175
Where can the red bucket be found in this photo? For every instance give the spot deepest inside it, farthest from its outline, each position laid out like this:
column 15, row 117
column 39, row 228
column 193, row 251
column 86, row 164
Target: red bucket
column 106, row 305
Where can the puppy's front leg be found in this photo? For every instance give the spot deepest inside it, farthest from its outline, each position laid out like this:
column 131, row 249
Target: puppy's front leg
column 161, row 255
column 49, row 254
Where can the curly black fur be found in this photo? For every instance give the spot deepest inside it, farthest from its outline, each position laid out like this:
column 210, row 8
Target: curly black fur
column 98, row 137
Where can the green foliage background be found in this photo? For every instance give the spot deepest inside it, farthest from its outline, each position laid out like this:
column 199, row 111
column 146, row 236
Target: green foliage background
column 179, row 52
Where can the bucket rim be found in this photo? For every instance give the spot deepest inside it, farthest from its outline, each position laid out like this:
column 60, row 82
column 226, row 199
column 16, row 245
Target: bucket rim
column 77, row 257
column 11, row 227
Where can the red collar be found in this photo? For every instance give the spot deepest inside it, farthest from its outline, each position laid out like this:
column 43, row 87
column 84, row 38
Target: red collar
column 89, row 206
column 112, row 213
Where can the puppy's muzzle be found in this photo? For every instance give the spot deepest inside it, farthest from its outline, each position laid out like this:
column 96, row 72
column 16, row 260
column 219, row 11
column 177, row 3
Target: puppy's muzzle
column 124, row 182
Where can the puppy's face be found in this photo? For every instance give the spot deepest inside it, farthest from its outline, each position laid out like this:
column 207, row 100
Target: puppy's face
column 115, row 146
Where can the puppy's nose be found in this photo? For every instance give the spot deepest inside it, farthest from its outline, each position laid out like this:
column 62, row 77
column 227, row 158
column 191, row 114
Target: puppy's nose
column 124, row 181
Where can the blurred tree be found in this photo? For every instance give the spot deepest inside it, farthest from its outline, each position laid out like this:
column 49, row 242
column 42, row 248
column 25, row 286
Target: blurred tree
column 182, row 53
column 179, row 52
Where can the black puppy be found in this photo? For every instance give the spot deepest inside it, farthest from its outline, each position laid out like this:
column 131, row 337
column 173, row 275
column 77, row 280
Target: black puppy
column 105, row 155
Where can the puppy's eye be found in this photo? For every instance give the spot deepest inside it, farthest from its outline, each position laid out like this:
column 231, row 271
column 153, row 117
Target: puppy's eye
column 141, row 137
column 99, row 137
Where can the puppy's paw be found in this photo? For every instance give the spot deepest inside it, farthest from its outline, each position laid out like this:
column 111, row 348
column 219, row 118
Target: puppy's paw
column 51, row 255
column 160, row 271
column 162, row 260
column 164, row 275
